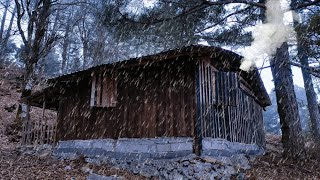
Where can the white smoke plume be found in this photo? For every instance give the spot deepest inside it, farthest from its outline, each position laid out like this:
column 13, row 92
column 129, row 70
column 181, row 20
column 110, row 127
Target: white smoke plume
column 269, row 36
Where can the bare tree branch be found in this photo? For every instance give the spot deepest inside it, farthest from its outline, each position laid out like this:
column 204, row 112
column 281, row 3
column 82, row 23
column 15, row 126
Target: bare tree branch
column 303, row 5
column 20, row 14
column 224, row 2
column 315, row 71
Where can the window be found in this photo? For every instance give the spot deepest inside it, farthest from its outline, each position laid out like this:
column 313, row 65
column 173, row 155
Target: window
column 103, row 90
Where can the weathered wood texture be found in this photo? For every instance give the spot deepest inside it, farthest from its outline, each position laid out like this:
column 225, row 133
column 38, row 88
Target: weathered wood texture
column 35, row 133
column 225, row 109
column 152, row 101
column 38, row 131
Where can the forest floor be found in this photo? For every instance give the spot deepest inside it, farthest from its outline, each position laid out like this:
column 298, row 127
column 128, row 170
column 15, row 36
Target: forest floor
column 17, row 165
column 273, row 166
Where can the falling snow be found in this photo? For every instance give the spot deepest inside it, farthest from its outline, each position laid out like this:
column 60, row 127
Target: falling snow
column 67, row 135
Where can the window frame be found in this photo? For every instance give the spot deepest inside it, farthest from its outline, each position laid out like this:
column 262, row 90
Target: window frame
column 103, row 90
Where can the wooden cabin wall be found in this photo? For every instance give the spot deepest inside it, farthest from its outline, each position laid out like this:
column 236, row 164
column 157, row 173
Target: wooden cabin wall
column 151, row 102
column 224, row 109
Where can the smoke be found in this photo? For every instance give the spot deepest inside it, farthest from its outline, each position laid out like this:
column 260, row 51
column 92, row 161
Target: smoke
column 269, row 36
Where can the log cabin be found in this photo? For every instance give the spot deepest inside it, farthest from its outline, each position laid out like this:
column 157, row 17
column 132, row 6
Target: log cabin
column 193, row 99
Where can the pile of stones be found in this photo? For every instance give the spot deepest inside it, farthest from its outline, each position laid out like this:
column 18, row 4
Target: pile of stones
column 188, row 167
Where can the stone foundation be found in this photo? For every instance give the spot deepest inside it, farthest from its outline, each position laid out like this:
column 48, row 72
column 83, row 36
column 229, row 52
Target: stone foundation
column 222, row 147
column 155, row 148
column 126, row 148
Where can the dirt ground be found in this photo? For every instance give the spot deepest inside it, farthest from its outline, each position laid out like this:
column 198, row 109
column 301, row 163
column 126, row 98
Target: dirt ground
column 15, row 165
column 273, row 166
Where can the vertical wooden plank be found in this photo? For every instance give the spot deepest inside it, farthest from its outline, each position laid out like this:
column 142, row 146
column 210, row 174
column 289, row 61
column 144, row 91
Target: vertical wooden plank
column 98, row 100
column 183, row 107
column 210, row 101
column 200, row 96
column 44, row 120
column 104, row 95
column 162, row 117
column 113, row 89
column 213, row 81
column 93, row 90
column 170, row 103
column 242, row 117
column 55, row 132
column 205, row 88
column 239, row 116
column 205, row 99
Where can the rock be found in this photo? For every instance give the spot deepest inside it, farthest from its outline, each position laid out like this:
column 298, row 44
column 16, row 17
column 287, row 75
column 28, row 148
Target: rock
column 93, row 176
column 207, row 167
column 213, row 175
column 135, row 171
column 44, row 155
column 67, row 168
column 210, row 159
column 190, row 172
column 218, row 160
column 86, row 170
column 185, row 171
column 240, row 161
column 241, row 176
column 169, row 167
column 178, row 176
column 229, row 170
column 10, row 108
column 185, row 163
column 265, row 163
column 147, row 172
column 197, row 176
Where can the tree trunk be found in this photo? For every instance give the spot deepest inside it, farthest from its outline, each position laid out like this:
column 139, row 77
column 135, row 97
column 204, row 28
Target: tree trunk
column 6, row 38
column 65, row 46
column 307, row 79
column 23, row 114
column 85, row 53
column 309, row 88
column 32, row 43
column 292, row 139
column 98, row 54
column 4, row 16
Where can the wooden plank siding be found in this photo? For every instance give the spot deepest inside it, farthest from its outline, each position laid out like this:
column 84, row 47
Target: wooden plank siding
column 152, row 101
column 224, row 109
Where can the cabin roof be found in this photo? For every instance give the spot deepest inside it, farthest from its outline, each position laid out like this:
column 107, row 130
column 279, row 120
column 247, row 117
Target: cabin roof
column 253, row 77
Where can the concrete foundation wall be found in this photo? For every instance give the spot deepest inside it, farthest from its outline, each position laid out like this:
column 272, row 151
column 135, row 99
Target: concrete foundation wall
column 126, row 148
column 216, row 146
column 157, row 148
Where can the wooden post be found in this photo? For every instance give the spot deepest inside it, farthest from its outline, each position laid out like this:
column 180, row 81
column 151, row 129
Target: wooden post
column 28, row 124
column 54, row 133
column 197, row 120
column 43, row 120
